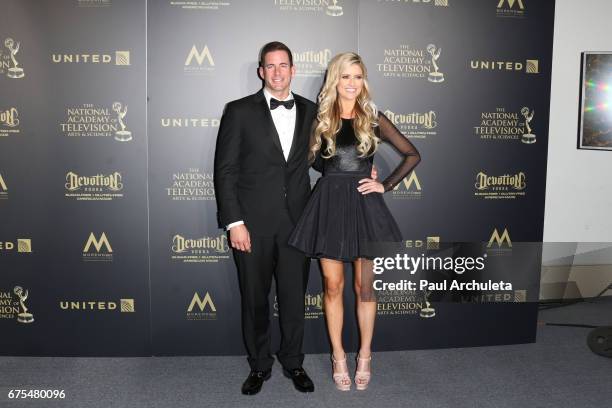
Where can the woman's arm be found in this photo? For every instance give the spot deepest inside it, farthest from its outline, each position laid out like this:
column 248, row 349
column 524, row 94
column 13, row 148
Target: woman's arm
column 390, row 134
column 317, row 164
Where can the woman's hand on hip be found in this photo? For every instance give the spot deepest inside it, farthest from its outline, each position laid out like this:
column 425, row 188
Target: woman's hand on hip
column 367, row 186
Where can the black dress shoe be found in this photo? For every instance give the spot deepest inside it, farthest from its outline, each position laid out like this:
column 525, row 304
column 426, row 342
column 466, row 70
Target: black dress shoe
column 300, row 379
column 252, row 385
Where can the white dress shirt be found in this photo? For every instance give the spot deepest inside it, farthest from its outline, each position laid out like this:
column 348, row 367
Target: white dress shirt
column 284, row 122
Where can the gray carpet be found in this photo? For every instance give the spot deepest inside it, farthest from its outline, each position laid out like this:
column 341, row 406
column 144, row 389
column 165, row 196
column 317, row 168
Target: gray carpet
column 557, row 371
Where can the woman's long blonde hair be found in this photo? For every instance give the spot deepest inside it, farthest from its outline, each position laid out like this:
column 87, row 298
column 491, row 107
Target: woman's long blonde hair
column 329, row 121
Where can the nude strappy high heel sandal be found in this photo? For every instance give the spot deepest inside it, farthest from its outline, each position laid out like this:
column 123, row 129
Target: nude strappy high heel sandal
column 341, row 374
column 363, row 373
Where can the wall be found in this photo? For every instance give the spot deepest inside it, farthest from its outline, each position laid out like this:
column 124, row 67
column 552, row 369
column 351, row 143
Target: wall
column 578, row 188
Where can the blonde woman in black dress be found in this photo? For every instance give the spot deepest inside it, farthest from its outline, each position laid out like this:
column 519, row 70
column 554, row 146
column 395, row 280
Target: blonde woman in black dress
column 346, row 210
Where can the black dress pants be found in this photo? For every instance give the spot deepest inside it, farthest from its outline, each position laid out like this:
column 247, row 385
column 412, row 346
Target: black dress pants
column 271, row 255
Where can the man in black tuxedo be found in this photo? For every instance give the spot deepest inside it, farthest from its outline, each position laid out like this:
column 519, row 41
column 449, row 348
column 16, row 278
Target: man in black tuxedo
column 262, row 185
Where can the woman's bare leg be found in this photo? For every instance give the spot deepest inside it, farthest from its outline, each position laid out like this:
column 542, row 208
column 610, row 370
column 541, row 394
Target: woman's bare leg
column 366, row 304
column 333, row 286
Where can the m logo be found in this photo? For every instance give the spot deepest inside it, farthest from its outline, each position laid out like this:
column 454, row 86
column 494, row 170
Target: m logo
column 511, row 3
column 409, row 181
column 202, row 302
column 2, row 184
column 98, row 243
column 199, row 56
column 500, row 239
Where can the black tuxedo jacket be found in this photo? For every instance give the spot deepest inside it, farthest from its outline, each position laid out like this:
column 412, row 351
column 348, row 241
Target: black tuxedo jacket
column 253, row 181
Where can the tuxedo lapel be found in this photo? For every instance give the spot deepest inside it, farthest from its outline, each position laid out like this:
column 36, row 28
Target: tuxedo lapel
column 268, row 124
column 299, row 124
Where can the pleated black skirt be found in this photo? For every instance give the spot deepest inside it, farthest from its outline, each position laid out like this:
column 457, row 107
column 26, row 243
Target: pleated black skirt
column 341, row 223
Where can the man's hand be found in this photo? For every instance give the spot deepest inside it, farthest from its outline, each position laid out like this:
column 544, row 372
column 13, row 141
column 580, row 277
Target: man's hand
column 240, row 238
column 374, row 174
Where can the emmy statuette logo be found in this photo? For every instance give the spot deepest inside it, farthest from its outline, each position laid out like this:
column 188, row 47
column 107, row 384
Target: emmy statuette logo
column 427, row 311
column 24, row 316
column 122, row 135
column 15, row 71
column 334, row 10
column 435, row 76
column 528, row 137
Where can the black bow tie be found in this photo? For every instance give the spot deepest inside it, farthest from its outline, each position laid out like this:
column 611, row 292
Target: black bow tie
column 275, row 103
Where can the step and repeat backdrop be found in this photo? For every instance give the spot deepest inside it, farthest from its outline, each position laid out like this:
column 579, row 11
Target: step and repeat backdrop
column 109, row 112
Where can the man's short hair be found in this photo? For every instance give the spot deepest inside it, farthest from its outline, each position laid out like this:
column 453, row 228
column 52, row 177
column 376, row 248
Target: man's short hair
column 274, row 46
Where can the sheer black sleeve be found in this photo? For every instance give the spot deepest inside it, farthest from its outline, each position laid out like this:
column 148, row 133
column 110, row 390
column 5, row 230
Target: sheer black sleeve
column 389, row 133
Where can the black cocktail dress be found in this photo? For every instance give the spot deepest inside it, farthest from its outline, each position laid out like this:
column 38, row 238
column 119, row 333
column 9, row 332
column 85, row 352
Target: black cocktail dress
column 339, row 222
